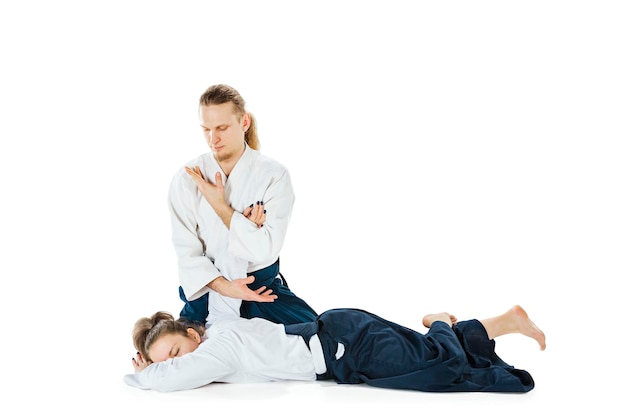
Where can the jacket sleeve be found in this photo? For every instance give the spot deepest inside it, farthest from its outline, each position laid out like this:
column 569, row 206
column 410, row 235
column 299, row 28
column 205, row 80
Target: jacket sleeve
column 263, row 245
column 189, row 371
column 194, row 269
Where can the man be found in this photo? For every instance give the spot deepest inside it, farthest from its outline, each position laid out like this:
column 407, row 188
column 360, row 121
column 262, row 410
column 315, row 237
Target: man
column 230, row 209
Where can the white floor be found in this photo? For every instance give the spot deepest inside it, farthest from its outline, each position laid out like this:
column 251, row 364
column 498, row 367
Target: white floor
column 571, row 375
column 458, row 156
column 580, row 371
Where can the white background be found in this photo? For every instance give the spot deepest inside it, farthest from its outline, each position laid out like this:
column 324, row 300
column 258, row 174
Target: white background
column 458, row 156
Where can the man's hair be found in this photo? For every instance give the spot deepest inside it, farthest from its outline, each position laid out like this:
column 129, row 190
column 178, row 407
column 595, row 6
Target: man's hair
column 222, row 93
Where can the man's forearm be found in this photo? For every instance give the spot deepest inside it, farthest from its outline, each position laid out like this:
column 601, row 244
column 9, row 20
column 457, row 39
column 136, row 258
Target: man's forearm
column 225, row 212
column 217, row 284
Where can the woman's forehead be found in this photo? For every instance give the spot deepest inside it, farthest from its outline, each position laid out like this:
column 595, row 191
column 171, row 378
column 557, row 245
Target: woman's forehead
column 163, row 346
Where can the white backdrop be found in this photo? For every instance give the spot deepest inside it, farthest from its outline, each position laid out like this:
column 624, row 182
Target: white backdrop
column 458, row 156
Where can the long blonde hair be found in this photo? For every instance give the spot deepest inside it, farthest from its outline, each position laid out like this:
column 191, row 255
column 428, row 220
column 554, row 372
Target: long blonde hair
column 222, row 93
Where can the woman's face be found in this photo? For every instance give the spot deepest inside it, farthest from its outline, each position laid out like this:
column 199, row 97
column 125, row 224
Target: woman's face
column 174, row 345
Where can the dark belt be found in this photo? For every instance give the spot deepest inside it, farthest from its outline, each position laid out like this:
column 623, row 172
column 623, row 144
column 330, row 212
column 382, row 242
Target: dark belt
column 265, row 276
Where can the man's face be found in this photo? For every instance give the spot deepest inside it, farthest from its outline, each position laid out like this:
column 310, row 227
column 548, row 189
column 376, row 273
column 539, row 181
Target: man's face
column 224, row 130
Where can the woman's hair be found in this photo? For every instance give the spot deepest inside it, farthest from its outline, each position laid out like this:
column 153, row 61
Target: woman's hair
column 220, row 94
column 148, row 329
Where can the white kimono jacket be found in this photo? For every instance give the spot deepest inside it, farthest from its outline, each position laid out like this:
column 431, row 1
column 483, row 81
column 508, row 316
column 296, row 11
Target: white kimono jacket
column 235, row 350
column 204, row 246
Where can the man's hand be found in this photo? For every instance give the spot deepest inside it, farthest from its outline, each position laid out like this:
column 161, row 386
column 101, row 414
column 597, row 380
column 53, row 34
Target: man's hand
column 213, row 193
column 256, row 213
column 238, row 288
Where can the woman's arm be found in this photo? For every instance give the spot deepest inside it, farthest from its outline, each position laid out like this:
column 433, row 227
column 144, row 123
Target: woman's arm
column 205, row 365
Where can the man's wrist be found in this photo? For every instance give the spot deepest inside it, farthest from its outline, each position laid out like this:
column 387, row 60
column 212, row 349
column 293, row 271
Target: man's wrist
column 217, row 284
column 225, row 212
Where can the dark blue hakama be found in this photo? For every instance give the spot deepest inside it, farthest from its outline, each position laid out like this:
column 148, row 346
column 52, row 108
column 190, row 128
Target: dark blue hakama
column 286, row 309
column 384, row 354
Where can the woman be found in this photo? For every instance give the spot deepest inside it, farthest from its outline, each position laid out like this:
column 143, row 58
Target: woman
column 348, row 345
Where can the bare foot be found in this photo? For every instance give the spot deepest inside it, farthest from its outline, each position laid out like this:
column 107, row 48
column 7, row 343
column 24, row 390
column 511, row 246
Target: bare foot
column 515, row 320
column 525, row 326
column 429, row 319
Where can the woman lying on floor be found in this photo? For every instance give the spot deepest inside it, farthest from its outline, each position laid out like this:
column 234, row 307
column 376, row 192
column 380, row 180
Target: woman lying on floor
column 348, row 345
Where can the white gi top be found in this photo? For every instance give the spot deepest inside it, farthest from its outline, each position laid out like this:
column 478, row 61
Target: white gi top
column 235, row 350
column 204, row 246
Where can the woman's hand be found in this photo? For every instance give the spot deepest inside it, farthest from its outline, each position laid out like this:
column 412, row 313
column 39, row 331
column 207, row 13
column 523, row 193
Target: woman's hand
column 140, row 363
